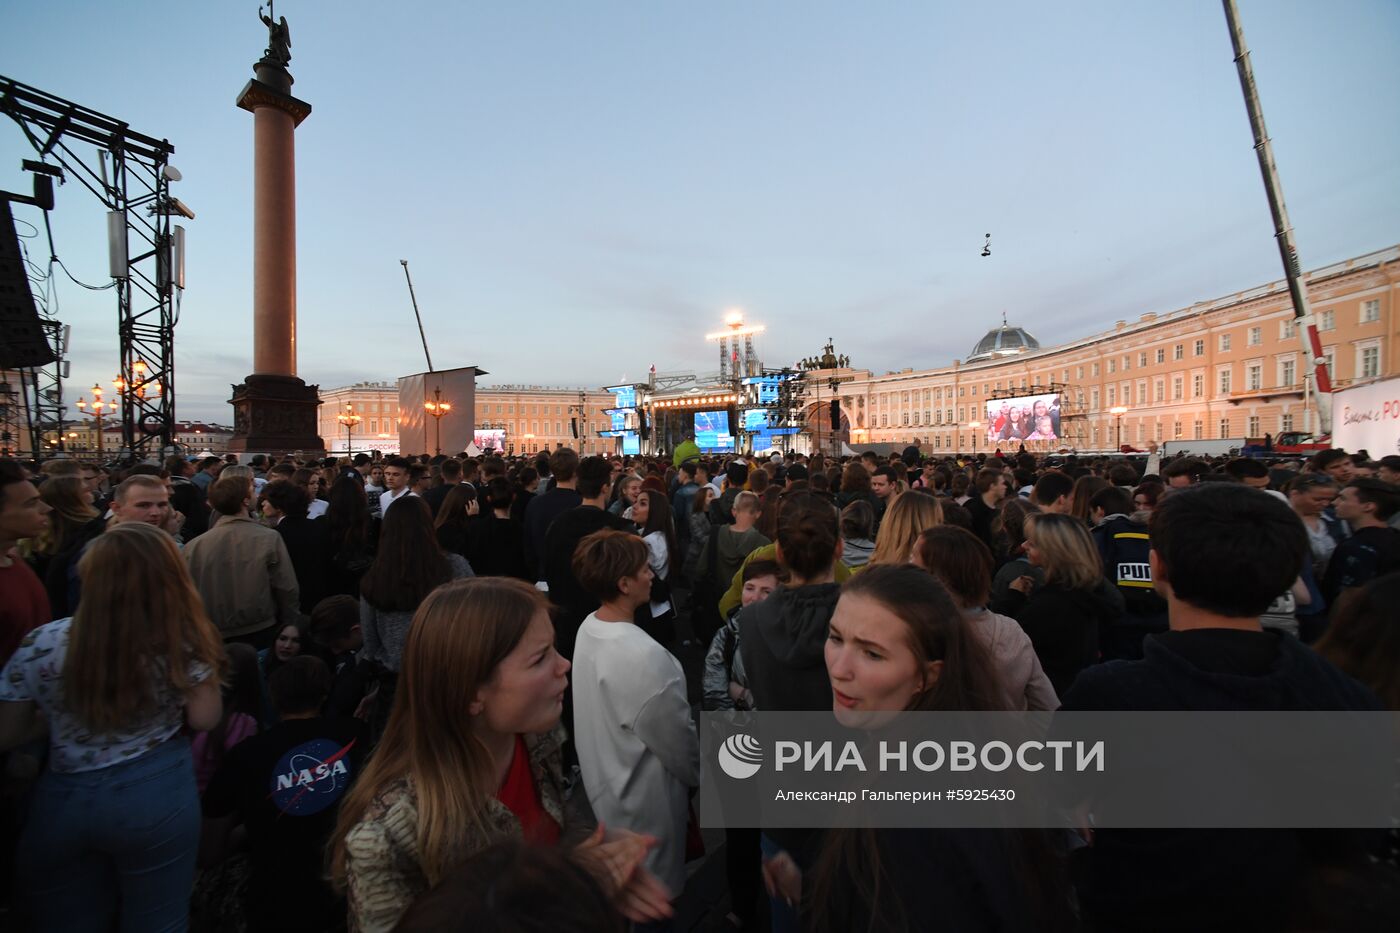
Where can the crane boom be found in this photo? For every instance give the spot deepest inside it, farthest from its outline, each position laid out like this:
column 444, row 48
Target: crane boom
column 1306, row 325
column 416, row 315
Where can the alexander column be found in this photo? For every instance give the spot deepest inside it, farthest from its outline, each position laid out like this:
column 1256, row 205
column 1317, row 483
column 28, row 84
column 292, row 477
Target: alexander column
column 273, row 410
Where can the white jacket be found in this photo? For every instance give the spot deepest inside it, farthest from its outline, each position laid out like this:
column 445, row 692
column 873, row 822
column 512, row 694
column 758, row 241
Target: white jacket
column 636, row 741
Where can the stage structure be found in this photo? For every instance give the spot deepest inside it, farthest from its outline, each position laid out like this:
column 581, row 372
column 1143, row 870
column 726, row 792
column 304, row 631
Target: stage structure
column 130, row 174
column 770, row 417
column 732, row 365
column 725, row 411
column 625, row 417
column 457, row 388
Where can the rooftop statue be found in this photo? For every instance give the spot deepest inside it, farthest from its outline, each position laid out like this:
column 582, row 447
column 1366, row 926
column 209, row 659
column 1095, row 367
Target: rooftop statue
column 279, row 38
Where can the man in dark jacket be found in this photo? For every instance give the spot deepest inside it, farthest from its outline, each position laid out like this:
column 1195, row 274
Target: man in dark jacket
column 1373, row 548
column 682, row 500
column 308, row 540
column 1220, row 555
column 187, row 498
column 991, row 488
column 557, row 557
column 1123, row 545
column 451, row 476
column 722, row 509
column 547, row 506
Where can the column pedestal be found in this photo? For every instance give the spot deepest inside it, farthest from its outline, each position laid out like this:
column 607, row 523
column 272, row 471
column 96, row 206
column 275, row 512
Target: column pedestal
column 275, row 415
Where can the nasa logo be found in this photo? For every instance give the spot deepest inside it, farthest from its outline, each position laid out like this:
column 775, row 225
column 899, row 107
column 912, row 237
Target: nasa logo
column 311, row 777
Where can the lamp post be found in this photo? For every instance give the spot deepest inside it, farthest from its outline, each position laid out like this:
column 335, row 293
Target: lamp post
column 975, row 426
column 98, row 407
column 349, row 419
column 1118, row 411
column 140, row 386
column 437, row 408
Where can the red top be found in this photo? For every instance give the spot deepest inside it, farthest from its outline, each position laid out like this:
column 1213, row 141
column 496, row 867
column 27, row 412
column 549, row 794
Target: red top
column 24, row 606
column 522, row 798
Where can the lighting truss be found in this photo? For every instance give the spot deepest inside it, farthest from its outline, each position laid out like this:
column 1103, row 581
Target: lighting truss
column 125, row 170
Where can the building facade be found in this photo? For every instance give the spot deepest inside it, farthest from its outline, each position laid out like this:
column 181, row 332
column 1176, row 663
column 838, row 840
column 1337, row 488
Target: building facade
column 1229, row 368
column 533, row 418
column 80, row 438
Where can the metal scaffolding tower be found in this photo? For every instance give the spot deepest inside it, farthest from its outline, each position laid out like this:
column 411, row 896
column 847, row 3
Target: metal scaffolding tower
column 129, row 173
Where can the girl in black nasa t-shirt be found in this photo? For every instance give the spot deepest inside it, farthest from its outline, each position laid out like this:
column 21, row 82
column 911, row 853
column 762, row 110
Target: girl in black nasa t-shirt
column 285, row 786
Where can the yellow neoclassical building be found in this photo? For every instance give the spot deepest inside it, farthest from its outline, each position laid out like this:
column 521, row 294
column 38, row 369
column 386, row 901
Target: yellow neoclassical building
column 1229, row 368
column 533, row 418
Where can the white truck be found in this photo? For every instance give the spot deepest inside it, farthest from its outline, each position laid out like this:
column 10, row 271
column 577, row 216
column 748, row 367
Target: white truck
column 1218, row 447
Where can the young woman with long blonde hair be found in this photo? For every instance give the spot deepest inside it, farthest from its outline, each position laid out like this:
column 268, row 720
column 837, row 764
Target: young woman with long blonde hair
column 1064, row 616
column 907, row 517
column 113, row 829
column 471, row 756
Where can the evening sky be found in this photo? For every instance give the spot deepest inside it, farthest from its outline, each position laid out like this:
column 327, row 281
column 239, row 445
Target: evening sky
column 582, row 190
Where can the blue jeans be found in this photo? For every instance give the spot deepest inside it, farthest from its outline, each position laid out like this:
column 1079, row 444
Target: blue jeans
column 117, row 840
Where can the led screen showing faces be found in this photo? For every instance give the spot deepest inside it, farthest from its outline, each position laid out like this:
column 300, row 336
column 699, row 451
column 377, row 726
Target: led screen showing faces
column 490, row 439
column 1026, row 418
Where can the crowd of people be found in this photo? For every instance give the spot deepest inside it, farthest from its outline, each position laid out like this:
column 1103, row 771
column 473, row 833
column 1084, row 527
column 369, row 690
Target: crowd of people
column 451, row 693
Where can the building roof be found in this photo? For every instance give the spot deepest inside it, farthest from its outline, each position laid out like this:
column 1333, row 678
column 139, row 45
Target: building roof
column 1003, row 341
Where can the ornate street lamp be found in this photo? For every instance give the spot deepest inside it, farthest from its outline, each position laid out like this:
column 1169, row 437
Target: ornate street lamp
column 437, row 408
column 1118, row 411
column 98, row 407
column 349, row 419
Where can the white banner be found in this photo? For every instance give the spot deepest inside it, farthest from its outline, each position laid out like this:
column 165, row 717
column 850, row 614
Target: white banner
column 1368, row 418
column 363, row 445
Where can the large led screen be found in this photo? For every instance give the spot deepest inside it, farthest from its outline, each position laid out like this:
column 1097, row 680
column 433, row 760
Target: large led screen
column 712, row 433
column 756, row 420
column 1025, row 418
column 489, row 439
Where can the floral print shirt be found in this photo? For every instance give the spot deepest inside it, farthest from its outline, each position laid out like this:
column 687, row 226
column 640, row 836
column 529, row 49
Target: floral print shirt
column 35, row 673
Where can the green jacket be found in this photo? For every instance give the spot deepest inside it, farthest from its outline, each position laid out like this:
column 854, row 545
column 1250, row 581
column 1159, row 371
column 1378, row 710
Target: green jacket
column 686, row 450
